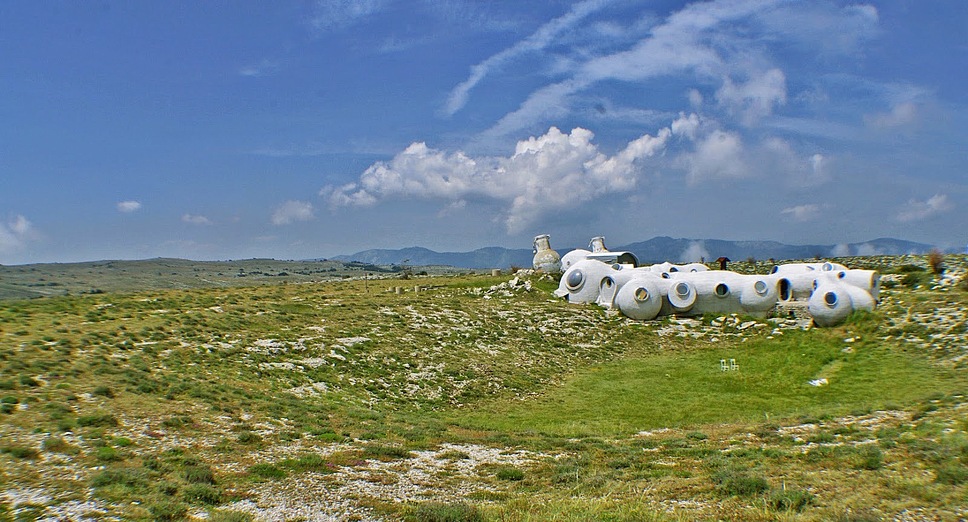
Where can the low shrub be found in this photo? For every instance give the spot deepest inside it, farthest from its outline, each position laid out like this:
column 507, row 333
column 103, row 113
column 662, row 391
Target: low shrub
column 167, row 510
column 103, row 391
column 444, row 512
column 20, row 452
column 199, row 474
column 509, row 473
column 202, row 493
column 736, row 483
column 385, row 452
column 789, row 500
column 869, row 457
column 268, row 471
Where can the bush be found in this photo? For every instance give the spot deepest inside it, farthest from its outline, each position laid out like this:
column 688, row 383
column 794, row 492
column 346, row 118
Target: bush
column 936, row 261
column 248, row 437
column 444, row 512
column 383, row 452
column 869, row 457
column 103, row 391
column 199, row 474
column 123, row 477
column 202, row 493
column 20, row 452
column 736, row 483
column 509, row 473
column 789, row 500
column 913, row 279
column 59, row 445
column 268, row 471
column 167, row 510
column 107, row 454
column 953, row 473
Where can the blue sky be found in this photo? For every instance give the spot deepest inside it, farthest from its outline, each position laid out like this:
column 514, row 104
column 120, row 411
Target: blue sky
column 226, row 130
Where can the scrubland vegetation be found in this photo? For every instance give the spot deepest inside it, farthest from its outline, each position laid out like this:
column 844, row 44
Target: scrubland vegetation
column 476, row 399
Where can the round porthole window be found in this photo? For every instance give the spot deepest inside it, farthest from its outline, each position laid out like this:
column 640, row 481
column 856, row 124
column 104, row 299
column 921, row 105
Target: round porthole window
column 830, row 298
column 682, row 289
column 641, row 294
column 760, row 287
column 722, row 290
column 575, row 279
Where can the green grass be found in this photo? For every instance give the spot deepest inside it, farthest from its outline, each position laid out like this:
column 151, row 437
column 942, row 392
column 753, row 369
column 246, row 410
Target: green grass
column 689, row 389
column 167, row 402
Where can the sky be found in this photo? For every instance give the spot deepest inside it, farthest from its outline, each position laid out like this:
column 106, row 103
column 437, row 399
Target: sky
column 308, row 129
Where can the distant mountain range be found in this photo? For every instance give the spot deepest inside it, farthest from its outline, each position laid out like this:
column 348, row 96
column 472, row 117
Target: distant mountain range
column 655, row 250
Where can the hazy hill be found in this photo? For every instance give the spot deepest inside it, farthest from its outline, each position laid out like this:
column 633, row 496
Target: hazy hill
column 655, row 250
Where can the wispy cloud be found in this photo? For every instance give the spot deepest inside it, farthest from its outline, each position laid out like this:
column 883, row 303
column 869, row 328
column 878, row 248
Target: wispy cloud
column 329, row 15
column 291, row 212
column 803, row 213
column 261, row 68
column 900, row 115
column 711, row 43
column 195, row 219
column 129, row 206
column 541, row 38
column 916, row 210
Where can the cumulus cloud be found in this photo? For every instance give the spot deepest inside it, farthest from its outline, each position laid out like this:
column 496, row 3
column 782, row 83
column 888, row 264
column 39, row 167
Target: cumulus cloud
column 129, row 206
column 803, row 213
column 291, row 212
column 915, row 210
column 719, row 155
column 195, row 219
column 552, row 172
column 15, row 233
column 695, row 253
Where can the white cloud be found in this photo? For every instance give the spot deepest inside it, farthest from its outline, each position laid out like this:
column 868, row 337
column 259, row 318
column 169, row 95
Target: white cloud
column 336, row 14
column 695, row 98
column 453, row 207
column 915, row 210
column 720, row 155
column 549, row 173
column 803, row 213
column 292, row 211
column 128, row 207
column 756, row 97
column 196, row 219
column 262, row 68
column 545, row 35
column 687, row 126
column 15, row 233
column 694, row 253
column 901, row 114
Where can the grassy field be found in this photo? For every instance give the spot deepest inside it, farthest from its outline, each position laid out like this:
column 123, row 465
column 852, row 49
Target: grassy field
column 472, row 397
